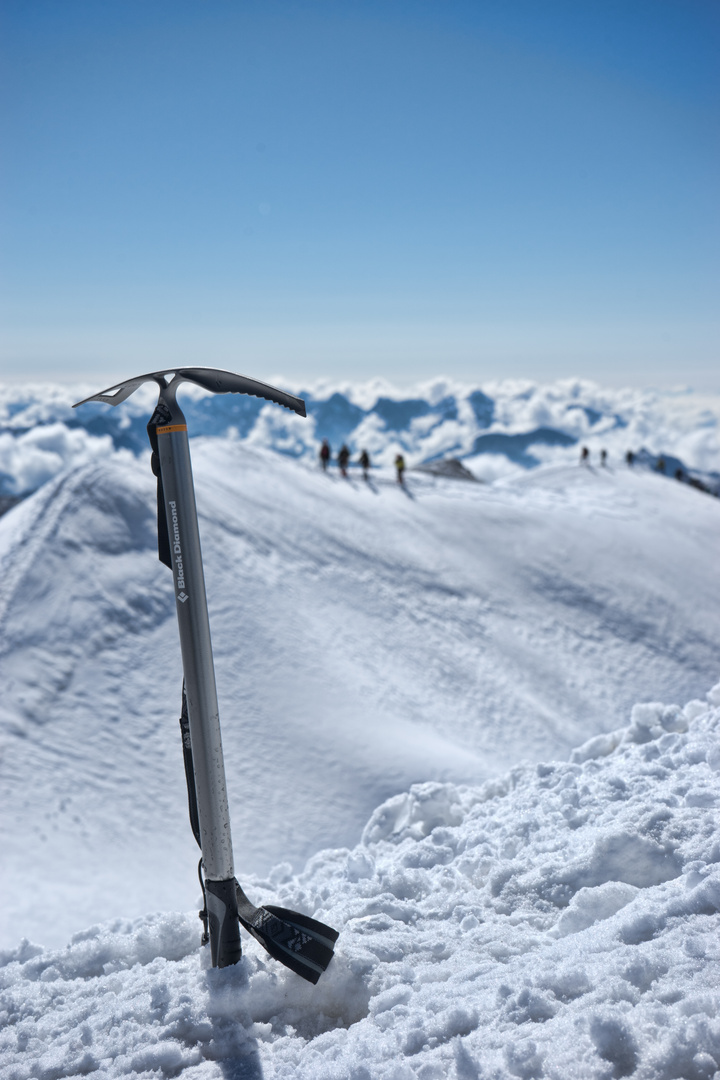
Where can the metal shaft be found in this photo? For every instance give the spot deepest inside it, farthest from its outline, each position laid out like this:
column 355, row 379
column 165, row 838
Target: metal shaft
column 199, row 672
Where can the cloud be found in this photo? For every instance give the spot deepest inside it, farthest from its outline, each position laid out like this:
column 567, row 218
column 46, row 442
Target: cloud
column 31, row 458
column 435, row 419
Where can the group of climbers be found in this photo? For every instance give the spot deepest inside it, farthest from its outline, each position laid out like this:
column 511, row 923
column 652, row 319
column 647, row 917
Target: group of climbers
column 629, row 460
column 585, row 457
column 343, row 460
column 658, row 464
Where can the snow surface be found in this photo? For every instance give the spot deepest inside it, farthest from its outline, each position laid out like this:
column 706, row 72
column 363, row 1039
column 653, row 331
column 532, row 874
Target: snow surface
column 403, row 655
column 562, row 921
column 366, row 638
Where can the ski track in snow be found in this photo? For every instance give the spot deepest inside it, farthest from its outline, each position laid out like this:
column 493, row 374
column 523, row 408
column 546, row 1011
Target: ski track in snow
column 560, row 921
column 366, row 638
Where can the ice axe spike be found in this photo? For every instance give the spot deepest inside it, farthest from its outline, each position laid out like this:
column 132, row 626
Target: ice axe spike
column 301, row 943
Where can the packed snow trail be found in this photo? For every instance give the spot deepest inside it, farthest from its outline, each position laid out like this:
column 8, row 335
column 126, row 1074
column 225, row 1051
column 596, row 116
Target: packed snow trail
column 366, row 637
column 560, row 921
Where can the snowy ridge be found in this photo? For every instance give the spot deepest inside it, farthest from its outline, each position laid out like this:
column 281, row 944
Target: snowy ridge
column 560, row 921
column 497, row 429
column 366, row 638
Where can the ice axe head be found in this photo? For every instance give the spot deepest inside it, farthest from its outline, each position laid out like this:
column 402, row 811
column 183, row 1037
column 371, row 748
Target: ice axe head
column 213, row 379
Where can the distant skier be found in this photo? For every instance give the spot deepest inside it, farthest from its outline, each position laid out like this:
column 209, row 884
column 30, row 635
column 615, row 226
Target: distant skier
column 603, row 458
column 365, row 463
column 660, row 464
column 343, row 458
column 629, row 458
column 324, row 454
column 584, row 456
column 400, row 467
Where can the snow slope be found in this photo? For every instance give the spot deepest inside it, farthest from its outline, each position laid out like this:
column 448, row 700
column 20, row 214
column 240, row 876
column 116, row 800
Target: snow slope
column 367, row 638
column 562, row 921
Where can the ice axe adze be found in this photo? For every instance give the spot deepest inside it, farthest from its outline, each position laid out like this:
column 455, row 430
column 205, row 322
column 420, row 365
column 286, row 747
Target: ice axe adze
column 302, row 944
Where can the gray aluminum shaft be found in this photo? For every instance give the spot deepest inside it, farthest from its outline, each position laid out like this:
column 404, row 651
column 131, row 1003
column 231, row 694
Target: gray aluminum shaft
column 195, row 643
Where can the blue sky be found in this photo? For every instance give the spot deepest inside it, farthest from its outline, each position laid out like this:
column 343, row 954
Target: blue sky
column 348, row 189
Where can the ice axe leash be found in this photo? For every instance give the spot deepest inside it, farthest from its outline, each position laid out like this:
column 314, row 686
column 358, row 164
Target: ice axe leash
column 302, row 944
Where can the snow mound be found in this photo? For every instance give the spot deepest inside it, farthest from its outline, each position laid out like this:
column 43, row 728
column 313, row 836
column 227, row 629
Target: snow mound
column 450, row 468
column 560, row 921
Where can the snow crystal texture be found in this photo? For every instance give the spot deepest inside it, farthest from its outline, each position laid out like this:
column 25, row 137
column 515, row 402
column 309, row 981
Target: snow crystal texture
column 562, row 921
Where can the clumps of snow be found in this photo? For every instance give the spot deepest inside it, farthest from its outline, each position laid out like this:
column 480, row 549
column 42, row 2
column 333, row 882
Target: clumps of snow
column 559, row 921
column 105, row 949
column 649, row 720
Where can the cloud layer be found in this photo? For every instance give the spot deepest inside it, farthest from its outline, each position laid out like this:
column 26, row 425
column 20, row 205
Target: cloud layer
column 497, row 429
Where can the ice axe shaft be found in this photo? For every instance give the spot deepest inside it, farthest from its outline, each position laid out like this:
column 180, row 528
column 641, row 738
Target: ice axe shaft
column 195, row 641
column 213, row 814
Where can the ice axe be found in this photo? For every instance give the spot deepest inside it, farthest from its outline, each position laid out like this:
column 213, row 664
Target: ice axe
column 302, row 944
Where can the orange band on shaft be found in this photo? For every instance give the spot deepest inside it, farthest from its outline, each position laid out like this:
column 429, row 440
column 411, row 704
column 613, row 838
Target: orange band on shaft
column 171, row 427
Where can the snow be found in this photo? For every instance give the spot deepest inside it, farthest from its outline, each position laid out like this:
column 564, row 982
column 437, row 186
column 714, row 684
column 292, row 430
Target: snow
column 560, row 921
column 366, row 638
column 443, row 729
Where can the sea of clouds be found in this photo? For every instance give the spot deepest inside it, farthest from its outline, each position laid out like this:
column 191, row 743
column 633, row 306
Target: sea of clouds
column 497, row 429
